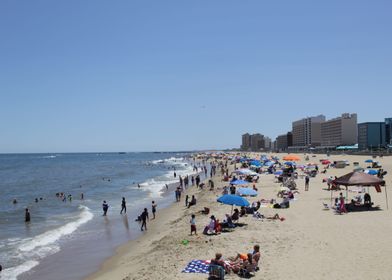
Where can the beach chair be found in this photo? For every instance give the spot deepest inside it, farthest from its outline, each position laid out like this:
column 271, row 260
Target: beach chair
column 216, row 272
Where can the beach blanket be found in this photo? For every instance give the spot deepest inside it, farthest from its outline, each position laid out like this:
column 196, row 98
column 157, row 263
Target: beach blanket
column 197, row 266
column 200, row 266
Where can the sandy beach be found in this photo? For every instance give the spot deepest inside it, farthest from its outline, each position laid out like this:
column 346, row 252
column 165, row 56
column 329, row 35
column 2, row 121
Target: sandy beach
column 311, row 243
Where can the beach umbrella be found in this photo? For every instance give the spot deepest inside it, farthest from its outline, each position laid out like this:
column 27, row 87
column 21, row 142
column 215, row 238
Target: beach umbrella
column 292, row 158
column 269, row 163
column 360, row 179
column 256, row 163
column 280, row 172
column 289, row 163
column 239, row 182
column 371, row 171
column 369, row 161
column 247, row 192
column 326, row 162
column 236, row 200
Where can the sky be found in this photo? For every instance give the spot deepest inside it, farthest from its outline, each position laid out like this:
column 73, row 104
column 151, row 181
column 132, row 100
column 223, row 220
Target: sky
column 93, row 75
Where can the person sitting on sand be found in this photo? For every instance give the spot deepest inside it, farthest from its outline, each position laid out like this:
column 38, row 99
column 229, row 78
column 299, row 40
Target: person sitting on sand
column 218, row 261
column 236, row 215
column 367, row 200
column 243, row 211
column 211, row 226
column 192, row 202
column 228, row 222
column 247, row 266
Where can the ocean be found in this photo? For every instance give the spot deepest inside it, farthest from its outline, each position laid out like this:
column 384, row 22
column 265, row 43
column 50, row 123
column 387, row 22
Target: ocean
column 70, row 239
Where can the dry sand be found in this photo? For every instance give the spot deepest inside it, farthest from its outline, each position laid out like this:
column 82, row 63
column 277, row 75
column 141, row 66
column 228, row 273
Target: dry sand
column 310, row 244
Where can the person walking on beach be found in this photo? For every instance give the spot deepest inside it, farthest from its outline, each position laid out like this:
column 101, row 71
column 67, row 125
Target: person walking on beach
column 144, row 218
column 123, row 206
column 153, row 209
column 193, row 225
column 105, row 208
column 342, row 208
column 193, row 181
column 197, row 181
column 307, row 179
column 27, row 216
column 186, row 200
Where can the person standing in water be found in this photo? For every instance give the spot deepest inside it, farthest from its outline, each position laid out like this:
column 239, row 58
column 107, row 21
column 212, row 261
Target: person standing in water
column 123, row 206
column 154, row 209
column 105, row 208
column 144, row 218
column 27, row 215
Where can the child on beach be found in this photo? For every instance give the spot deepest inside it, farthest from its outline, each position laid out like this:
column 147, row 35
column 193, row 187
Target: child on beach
column 193, row 225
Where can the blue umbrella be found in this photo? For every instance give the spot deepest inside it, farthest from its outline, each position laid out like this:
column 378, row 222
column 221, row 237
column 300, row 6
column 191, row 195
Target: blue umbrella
column 289, row 163
column 255, row 163
column 369, row 161
column 280, row 172
column 269, row 163
column 247, row 192
column 236, row 200
column 239, row 182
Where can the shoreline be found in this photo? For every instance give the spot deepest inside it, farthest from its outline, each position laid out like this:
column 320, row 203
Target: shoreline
column 310, row 244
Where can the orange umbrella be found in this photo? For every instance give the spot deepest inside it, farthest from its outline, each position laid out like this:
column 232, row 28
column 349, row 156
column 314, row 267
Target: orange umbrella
column 292, row 158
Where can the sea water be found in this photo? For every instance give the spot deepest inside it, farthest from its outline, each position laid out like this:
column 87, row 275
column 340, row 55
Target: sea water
column 69, row 239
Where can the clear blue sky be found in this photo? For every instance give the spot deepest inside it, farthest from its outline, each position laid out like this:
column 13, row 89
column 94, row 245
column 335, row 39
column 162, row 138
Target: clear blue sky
column 173, row 75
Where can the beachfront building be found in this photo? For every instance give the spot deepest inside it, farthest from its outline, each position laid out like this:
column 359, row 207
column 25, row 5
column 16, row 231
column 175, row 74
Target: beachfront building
column 257, row 142
column 307, row 132
column 267, row 143
column 371, row 135
column 245, row 142
column 284, row 141
column 340, row 131
column 388, row 133
column 253, row 142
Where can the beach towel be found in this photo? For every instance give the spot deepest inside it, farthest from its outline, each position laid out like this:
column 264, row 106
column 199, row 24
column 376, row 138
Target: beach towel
column 197, row 266
column 200, row 266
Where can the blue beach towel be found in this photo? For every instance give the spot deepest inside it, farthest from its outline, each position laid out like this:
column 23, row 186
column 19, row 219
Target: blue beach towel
column 197, row 266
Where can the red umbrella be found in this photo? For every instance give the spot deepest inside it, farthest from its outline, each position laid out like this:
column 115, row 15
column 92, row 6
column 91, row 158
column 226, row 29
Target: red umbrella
column 326, row 162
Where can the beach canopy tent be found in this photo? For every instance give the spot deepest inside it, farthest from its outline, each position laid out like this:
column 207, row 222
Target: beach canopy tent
column 360, row 179
column 247, row 192
column 292, row 158
column 239, row 182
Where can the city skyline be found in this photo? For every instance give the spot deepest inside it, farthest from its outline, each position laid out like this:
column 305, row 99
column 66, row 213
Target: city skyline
column 184, row 76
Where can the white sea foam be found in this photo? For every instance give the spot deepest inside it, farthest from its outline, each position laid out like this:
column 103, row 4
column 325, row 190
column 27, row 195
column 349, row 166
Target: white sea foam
column 51, row 156
column 54, row 235
column 46, row 244
column 155, row 185
column 13, row 272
